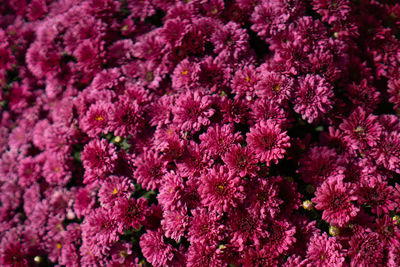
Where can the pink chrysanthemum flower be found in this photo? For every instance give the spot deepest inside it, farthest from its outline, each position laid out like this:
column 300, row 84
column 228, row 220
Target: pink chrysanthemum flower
column 366, row 249
column 219, row 139
column 98, row 158
column 230, row 42
column 318, row 164
column 280, row 236
column 28, row 171
column 313, row 97
column 325, row 251
column 200, row 254
column 96, row 119
column 265, row 109
column 268, row 141
column 361, row 130
column 332, row 11
column 129, row 212
column 246, row 229
column 245, row 80
column 56, row 169
column 377, row 194
column 274, row 86
column 259, row 257
column 150, row 169
column 171, row 191
column 269, row 18
column 240, row 160
column 174, row 224
column 394, row 91
column 192, row 111
column 99, row 231
column 11, row 250
column 113, row 188
column 387, row 151
column 183, row 76
column 335, row 198
column 126, row 117
column 155, row 250
column 221, row 189
column 204, row 227
column 264, row 198
column 394, row 256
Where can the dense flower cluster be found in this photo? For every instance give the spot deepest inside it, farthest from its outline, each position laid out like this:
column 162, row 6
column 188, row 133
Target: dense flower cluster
column 200, row 133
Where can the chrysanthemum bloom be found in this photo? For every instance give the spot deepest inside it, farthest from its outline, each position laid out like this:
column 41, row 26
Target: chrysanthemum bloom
column 366, row 249
column 83, row 202
column 200, row 254
column 325, row 251
column 150, row 169
column 174, row 223
column 221, row 190
column 318, row 164
column 99, row 231
column 230, row 42
column 98, row 158
column 96, row 119
column 387, row 151
column 394, row 256
column 289, row 194
column 332, row 11
column 129, row 212
column 240, row 160
column 219, row 139
column 244, row 81
column 361, row 130
column 259, row 257
column 264, row 109
column 246, row 229
column 234, row 111
column 388, row 231
column 126, row 117
column 11, row 250
column 155, row 250
column 269, row 18
column 335, row 198
column 394, row 91
column 113, row 188
column 377, row 194
column 193, row 110
column 205, row 227
column 184, row 75
column 280, row 236
column 313, row 98
column 171, row 190
column 58, row 139
column 305, row 230
column 194, row 161
column 274, row 86
column 28, row 171
column 213, row 75
column 268, row 141
column 56, row 169
column 263, row 197
column 364, row 95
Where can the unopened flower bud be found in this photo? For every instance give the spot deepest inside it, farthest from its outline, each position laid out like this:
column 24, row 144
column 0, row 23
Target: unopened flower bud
column 308, row 205
column 334, row 231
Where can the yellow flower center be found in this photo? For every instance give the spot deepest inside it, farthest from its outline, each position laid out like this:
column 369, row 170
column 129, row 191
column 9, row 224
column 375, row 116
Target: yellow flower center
column 99, row 118
column 185, row 72
column 115, row 191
